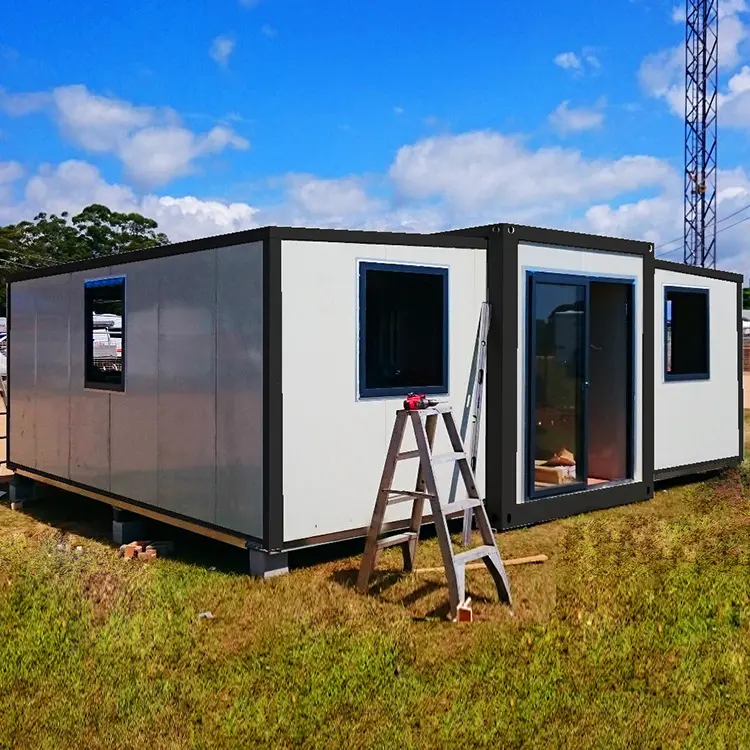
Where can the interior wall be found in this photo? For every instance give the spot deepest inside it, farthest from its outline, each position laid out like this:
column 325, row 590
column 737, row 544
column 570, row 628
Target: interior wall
column 609, row 381
column 335, row 443
column 696, row 421
column 575, row 261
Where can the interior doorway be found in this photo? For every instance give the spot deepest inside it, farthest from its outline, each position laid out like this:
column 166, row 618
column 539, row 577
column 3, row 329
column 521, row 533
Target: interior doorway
column 581, row 385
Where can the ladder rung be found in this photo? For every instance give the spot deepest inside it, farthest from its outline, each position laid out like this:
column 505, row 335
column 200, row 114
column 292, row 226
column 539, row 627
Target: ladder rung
column 411, row 493
column 400, row 499
column 446, row 457
column 392, row 541
column 407, row 454
column 466, row 504
column 485, row 550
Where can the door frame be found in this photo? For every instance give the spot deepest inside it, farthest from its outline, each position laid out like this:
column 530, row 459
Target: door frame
column 533, row 278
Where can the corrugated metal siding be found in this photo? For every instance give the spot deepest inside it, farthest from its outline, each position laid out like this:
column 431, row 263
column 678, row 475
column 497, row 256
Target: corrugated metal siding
column 133, row 414
column 157, row 442
column 22, row 374
column 89, row 410
column 239, row 407
column 187, row 385
column 53, row 375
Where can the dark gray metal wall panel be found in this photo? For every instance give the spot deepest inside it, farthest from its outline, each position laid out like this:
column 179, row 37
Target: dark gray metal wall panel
column 133, row 413
column 89, row 410
column 187, row 385
column 239, row 393
column 22, row 374
column 53, row 375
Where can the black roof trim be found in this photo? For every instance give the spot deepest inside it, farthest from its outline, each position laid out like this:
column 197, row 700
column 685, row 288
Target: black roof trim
column 561, row 237
column 708, row 273
column 252, row 235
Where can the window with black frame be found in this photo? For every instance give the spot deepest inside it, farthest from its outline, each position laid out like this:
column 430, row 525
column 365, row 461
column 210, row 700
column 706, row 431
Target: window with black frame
column 403, row 329
column 104, row 309
column 686, row 334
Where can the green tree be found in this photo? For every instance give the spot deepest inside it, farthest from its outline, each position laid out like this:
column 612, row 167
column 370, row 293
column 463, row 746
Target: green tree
column 95, row 232
column 746, row 298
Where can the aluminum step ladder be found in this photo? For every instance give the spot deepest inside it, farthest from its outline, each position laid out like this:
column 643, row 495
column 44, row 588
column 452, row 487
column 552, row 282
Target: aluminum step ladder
column 424, row 422
column 476, row 403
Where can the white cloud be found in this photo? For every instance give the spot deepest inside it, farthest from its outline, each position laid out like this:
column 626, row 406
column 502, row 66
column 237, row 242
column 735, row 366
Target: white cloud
column 398, row 110
column 72, row 185
column 10, row 171
column 152, row 143
column 577, row 119
column 97, row 123
column 734, row 105
column 268, row 31
column 18, row 105
column 660, row 220
column 156, row 155
column 568, row 61
column 221, row 49
column 485, row 170
column 662, row 74
column 436, row 183
column 577, row 62
column 333, row 201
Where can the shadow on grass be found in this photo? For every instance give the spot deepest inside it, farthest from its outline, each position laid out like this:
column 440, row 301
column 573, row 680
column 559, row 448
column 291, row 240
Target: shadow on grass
column 73, row 514
column 684, row 481
column 70, row 513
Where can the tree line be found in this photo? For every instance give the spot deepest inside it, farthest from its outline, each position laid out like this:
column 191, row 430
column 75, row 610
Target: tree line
column 50, row 239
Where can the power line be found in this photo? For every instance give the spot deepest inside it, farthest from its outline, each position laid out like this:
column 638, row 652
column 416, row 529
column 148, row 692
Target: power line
column 718, row 231
column 681, row 238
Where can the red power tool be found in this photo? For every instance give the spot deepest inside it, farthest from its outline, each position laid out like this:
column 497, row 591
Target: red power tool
column 416, row 401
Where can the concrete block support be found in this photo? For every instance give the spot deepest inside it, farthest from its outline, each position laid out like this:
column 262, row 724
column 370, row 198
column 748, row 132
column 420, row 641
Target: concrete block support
column 127, row 527
column 20, row 491
column 266, row 565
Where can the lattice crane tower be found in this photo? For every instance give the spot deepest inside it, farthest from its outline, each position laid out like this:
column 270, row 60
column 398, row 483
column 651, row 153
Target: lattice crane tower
column 701, row 105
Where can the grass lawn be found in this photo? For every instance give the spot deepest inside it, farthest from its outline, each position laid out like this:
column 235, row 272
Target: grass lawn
column 635, row 633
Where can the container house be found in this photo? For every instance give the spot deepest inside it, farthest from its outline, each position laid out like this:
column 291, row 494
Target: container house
column 255, row 380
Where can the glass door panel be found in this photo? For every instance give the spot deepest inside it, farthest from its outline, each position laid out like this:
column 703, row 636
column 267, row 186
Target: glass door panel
column 558, row 332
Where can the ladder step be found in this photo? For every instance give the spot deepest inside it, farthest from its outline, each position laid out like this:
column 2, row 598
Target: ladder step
column 460, row 505
column 400, row 499
column 392, row 541
column 407, row 454
column 410, row 493
column 446, row 457
column 477, row 553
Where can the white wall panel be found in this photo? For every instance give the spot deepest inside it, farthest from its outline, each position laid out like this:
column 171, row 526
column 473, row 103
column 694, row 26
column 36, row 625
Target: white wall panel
column 697, row 421
column 335, row 444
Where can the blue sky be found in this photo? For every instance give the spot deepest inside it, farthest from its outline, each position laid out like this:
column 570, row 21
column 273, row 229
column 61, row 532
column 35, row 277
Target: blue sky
column 218, row 116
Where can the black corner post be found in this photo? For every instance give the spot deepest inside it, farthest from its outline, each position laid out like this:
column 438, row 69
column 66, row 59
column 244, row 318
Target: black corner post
column 273, row 447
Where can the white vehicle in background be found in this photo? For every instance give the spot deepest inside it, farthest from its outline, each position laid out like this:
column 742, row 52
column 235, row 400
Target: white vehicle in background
column 108, row 342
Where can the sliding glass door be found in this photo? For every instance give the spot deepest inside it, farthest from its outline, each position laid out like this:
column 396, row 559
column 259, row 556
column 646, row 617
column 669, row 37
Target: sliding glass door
column 558, row 323
column 580, row 383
